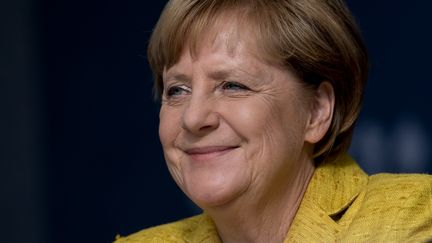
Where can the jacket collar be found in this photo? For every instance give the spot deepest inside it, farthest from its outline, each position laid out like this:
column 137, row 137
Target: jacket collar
column 336, row 184
column 205, row 231
column 332, row 189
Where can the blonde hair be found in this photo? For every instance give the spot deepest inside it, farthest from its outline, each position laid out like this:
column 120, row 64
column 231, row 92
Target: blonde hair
column 316, row 39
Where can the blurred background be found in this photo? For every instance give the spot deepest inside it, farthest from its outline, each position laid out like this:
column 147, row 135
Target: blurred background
column 80, row 159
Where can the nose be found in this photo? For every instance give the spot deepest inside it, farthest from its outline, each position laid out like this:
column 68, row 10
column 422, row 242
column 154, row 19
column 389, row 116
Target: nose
column 199, row 116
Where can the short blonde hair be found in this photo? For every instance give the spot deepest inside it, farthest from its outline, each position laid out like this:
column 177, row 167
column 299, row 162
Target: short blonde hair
column 316, row 39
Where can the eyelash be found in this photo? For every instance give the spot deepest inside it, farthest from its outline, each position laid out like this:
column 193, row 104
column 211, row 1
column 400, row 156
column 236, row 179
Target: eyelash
column 226, row 85
column 176, row 88
column 235, row 86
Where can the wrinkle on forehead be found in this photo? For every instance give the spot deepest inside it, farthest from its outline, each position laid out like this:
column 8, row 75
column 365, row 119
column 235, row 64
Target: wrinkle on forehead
column 225, row 33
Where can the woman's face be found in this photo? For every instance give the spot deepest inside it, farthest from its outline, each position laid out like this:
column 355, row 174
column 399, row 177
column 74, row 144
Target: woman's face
column 231, row 124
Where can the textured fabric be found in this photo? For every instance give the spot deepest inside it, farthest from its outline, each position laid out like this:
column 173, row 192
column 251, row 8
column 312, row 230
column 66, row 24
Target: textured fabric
column 341, row 204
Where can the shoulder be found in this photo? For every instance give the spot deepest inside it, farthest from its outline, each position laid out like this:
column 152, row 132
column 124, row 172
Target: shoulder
column 396, row 205
column 404, row 195
column 399, row 186
column 180, row 231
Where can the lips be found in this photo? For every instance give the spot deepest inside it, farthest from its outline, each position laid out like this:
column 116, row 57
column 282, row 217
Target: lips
column 208, row 153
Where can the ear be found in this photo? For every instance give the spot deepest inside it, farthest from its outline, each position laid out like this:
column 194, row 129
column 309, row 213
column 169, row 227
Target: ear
column 321, row 115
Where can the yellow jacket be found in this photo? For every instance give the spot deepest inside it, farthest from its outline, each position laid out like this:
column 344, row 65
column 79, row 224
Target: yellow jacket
column 341, row 204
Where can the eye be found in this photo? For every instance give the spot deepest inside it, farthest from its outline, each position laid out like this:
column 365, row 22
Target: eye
column 177, row 90
column 230, row 85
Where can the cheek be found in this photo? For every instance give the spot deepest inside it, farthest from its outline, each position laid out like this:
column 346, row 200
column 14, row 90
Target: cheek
column 169, row 126
column 256, row 118
column 269, row 125
column 253, row 121
column 243, row 116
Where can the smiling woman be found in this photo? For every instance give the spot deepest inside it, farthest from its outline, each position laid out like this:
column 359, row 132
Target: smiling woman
column 259, row 100
column 241, row 120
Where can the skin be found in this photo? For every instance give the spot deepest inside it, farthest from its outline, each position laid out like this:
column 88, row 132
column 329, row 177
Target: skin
column 238, row 134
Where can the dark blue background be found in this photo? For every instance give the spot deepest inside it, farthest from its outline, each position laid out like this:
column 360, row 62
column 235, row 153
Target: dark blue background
column 80, row 159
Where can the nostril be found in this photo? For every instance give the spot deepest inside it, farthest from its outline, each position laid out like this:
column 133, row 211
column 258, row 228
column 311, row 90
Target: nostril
column 206, row 127
column 203, row 124
column 200, row 116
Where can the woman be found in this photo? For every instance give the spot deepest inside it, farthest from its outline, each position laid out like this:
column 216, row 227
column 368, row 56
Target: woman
column 259, row 100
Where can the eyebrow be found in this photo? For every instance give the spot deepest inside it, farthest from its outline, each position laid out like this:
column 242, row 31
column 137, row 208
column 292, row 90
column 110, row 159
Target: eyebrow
column 238, row 73
column 221, row 75
column 177, row 77
column 216, row 75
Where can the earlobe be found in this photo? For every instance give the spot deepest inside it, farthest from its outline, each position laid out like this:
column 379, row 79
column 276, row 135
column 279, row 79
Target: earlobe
column 323, row 102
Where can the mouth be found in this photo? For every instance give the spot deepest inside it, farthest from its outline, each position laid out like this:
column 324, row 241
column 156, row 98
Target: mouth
column 208, row 153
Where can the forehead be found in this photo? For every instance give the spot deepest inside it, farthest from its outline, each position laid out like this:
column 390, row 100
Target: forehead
column 224, row 46
column 228, row 32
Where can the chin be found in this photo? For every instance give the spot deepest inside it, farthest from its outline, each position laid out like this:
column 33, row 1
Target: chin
column 209, row 191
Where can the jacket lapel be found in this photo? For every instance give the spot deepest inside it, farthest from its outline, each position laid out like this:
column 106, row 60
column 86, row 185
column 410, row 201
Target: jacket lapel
column 332, row 189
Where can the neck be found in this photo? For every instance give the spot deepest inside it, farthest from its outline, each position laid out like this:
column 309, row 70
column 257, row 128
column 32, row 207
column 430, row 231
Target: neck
column 263, row 217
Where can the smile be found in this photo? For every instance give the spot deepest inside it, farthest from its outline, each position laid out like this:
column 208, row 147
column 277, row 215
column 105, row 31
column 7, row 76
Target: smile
column 208, row 153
